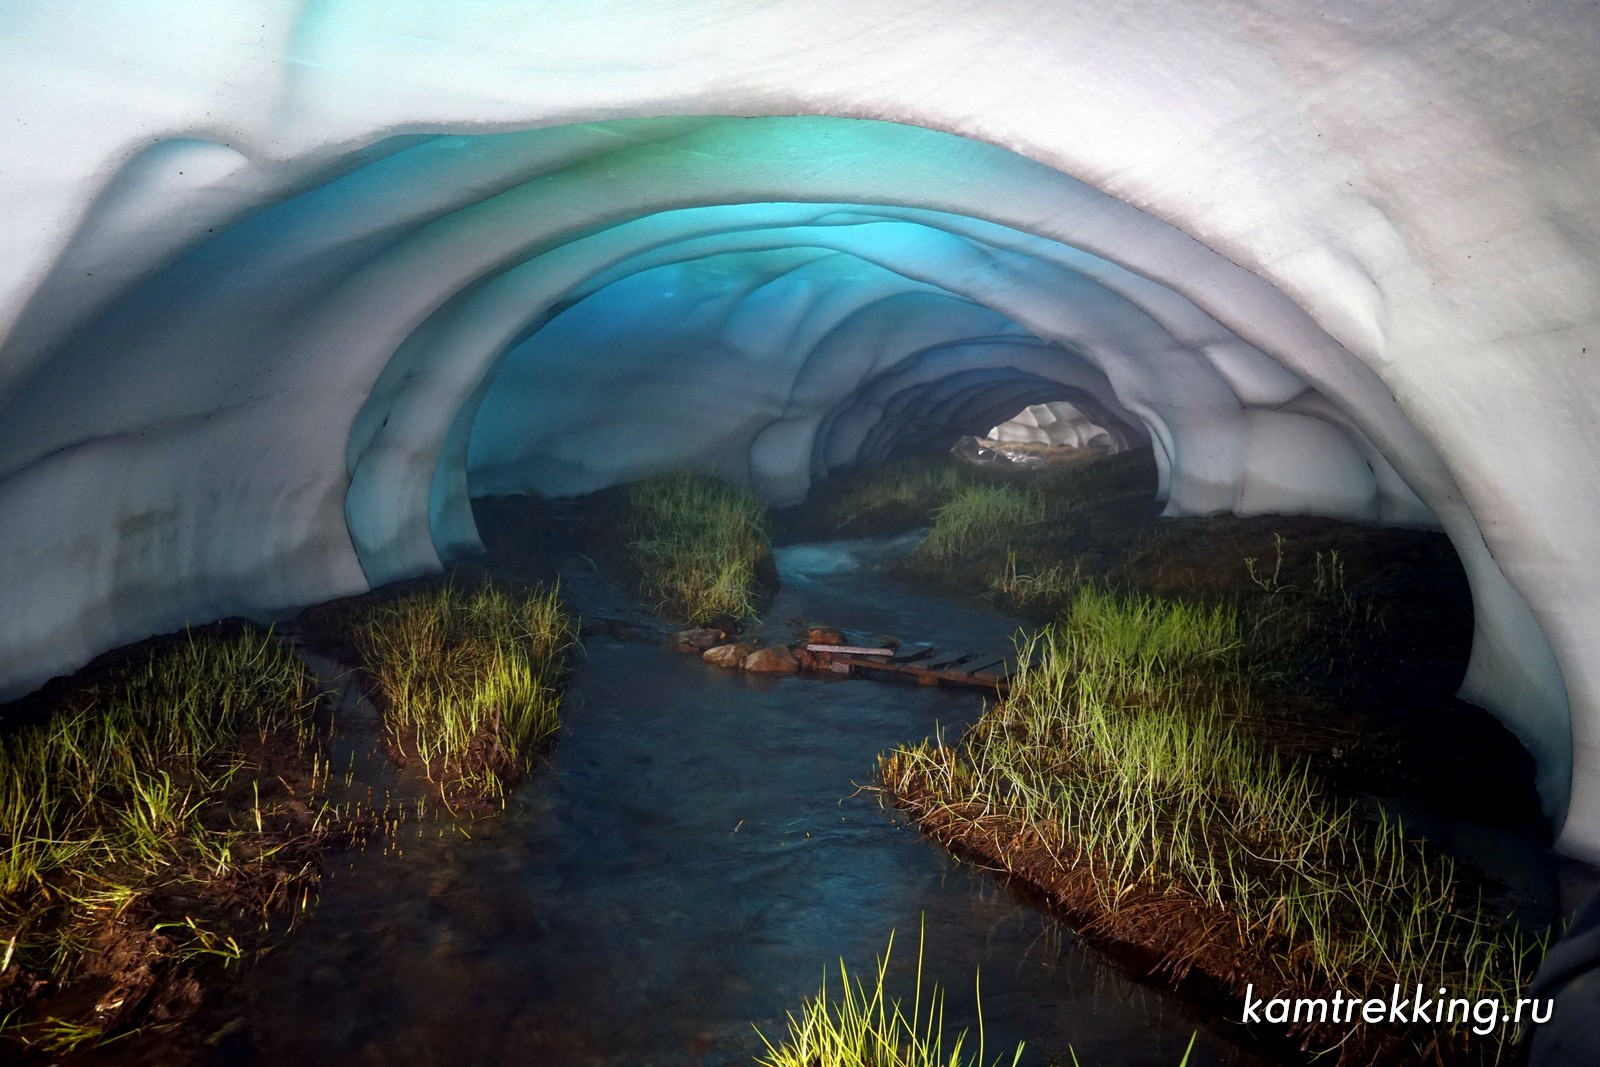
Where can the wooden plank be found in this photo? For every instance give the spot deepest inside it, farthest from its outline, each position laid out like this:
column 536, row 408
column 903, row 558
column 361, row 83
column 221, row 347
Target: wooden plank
column 927, row 676
column 850, row 650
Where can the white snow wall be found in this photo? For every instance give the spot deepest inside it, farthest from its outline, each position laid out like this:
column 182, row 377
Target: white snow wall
column 265, row 264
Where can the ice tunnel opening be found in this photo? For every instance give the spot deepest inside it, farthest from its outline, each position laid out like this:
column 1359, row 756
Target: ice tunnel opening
column 557, row 310
column 1056, row 424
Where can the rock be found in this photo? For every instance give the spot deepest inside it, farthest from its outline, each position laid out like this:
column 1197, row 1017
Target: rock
column 823, row 635
column 697, row 640
column 885, row 641
column 731, row 656
column 724, row 622
column 774, row 659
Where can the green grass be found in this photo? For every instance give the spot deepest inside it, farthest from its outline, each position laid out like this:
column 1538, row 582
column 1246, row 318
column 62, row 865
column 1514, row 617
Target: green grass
column 863, row 1027
column 912, row 487
column 978, row 516
column 148, row 798
column 470, row 680
column 1115, row 748
column 1054, row 583
column 699, row 544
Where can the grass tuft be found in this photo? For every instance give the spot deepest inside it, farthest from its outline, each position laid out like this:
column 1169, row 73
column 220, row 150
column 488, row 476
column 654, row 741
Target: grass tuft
column 1053, row 583
column 469, row 681
column 173, row 787
column 863, row 1027
column 977, row 516
column 914, row 488
column 699, row 544
column 1114, row 756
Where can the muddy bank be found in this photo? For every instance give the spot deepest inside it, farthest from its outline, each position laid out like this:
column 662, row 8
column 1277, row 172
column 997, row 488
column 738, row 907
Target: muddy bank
column 248, row 830
column 695, row 858
column 1354, row 638
column 169, row 814
column 646, row 812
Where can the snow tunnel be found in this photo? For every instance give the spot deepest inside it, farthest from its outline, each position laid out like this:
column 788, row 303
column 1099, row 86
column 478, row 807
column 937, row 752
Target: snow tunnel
column 263, row 352
column 1058, row 423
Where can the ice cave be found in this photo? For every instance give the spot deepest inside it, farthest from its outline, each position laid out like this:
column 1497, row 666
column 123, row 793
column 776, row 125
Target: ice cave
column 289, row 289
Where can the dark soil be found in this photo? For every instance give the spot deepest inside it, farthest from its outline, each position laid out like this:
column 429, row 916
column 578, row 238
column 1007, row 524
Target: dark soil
column 1371, row 706
column 130, row 975
column 1170, row 938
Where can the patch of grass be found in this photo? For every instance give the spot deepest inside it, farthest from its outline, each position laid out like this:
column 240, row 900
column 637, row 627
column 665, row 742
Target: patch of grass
column 151, row 811
column 1053, row 583
column 699, row 544
column 1329, row 584
column 1112, row 776
column 977, row 516
column 863, row 1027
column 469, row 680
column 1296, row 630
column 915, row 488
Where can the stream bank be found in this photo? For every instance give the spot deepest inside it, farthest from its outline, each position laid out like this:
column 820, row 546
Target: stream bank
column 695, row 856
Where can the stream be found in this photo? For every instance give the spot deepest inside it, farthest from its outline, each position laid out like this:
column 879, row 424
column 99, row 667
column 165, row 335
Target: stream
column 695, row 856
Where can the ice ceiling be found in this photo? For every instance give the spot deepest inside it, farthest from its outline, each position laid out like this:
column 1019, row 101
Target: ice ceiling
column 284, row 284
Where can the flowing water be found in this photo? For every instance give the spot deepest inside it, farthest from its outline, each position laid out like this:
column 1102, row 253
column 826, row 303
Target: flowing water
column 695, row 857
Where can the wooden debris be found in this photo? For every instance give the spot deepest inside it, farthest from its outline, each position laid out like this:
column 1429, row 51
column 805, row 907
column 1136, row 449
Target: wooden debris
column 875, row 666
column 850, row 650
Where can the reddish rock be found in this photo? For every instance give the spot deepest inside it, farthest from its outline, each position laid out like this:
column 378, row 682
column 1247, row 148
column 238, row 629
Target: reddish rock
column 824, row 635
column 732, row 656
column 696, row 640
column 774, row 659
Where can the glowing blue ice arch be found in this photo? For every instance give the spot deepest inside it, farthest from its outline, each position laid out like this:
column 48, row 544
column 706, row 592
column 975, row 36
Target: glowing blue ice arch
column 1144, row 336
column 281, row 410
column 1233, row 429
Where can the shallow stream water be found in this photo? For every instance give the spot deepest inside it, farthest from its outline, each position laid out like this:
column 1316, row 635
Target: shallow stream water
column 694, row 858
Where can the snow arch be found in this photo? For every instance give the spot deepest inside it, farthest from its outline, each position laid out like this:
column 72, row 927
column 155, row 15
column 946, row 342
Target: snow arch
column 272, row 264
column 1057, row 422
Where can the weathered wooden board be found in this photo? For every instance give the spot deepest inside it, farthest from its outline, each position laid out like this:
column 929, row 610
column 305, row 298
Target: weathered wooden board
column 922, row 675
column 850, row 650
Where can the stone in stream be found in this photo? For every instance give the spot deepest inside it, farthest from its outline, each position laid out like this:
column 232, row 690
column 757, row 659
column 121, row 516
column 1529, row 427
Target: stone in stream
column 724, row 622
column 775, row 659
column 732, row 656
column 697, row 640
column 823, row 635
